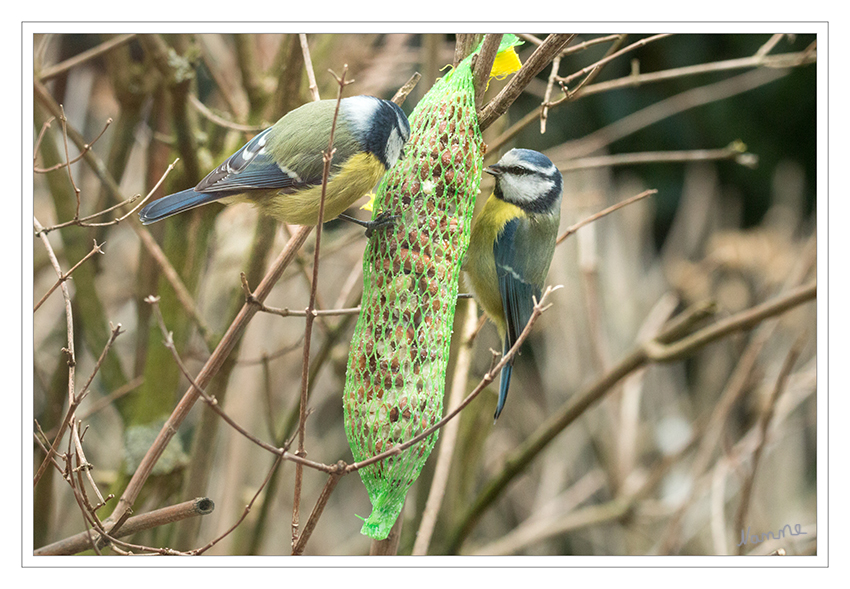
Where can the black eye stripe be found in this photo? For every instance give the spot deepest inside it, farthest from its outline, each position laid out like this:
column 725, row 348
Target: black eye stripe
column 517, row 170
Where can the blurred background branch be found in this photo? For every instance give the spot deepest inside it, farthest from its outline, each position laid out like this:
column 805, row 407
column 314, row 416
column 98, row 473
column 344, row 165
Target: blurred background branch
column 634, row 433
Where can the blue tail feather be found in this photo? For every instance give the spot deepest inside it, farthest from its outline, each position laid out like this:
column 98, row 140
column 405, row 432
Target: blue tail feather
column 504, row 383
column 173, row 204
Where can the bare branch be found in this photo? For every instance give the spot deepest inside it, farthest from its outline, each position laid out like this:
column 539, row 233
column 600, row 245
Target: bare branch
column 642, row 355
column 51, row 72
column 64, row 276
column 310, row 316
column 80, row 156
column 575, row 227
column 308, row 65
column 544, row 54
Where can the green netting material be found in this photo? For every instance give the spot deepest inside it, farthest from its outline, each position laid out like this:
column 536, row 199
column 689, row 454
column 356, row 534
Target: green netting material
column 400, row 349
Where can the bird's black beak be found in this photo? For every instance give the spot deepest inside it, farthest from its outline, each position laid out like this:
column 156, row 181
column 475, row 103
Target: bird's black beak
column 495, row 170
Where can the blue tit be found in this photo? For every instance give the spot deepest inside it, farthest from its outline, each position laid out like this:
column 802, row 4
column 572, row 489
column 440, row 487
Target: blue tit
column 512, row 243
column 280, row 170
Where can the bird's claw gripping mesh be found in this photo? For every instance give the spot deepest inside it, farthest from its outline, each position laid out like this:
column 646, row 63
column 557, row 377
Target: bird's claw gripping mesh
column 400, row 348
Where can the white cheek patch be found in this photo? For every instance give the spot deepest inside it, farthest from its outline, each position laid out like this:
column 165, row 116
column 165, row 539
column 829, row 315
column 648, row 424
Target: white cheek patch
column 521, row 189
column 395, row 143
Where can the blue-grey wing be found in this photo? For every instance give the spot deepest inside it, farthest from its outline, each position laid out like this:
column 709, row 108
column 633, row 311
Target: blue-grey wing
column 250, row 168
column 513, row 250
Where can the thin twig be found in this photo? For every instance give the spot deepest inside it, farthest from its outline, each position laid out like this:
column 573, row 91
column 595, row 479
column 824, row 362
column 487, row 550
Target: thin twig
column 735, row 151
column 60, row 68
column 544, row 54
column 637, row 44
column 489, row 377
column 787, row 60
column 109, row 183
column 64, row 276
column 308, row 66
column 80, row 156
column 105, row 401
column 220, row 121
column 40, row 138
column 327, row 157
column 69, row 351
column 556, row 62
column 781, row 61
column 210, row 368
column 64, row 120
column 82, row 221
column 591, row 42
column 662, row 348
column 321, row 502
column 213, row 403
column 448, row 437
column 245, row 512
column 575, row 227
column 763, row 426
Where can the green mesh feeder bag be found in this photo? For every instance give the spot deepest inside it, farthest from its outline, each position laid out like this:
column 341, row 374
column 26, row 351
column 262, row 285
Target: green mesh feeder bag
column 400, row 349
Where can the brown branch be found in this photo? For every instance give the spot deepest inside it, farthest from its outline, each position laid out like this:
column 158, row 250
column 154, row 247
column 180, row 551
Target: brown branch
column 544, row 115
column 668, row 107
column 321, row 502
column 575, row 227
column 543, row 55
column 210, row 368
column 213, row 404
column 483, row 65
column 75, row 400
column 308, row 65
column 658, row 351
column 137, row 523
column 40, row 138
column 111, row 186
column 489, row 377
column 617, row 37
column 448, row 437
column 781, row 61
column 72, row 362
column 787, row 60
column 636, row 45
column 401, row 94
column 736, row 152
column 60, row 68
column 65, row 275
column 221, row 121
column 173, row 278
column 764, row 424
column 465, row 43
column 327, row 157
column 81, row 222
column 105, row 401
column 85, row 148
column 64, row 120
column 245, row 512
column 662, row 348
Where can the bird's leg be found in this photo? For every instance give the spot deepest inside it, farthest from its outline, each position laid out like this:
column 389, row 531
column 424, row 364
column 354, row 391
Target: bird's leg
column 382, row 220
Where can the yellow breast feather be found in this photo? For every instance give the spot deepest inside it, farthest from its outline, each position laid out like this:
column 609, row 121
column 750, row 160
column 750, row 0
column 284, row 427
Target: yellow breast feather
column 357, row 177
column 484, row 282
